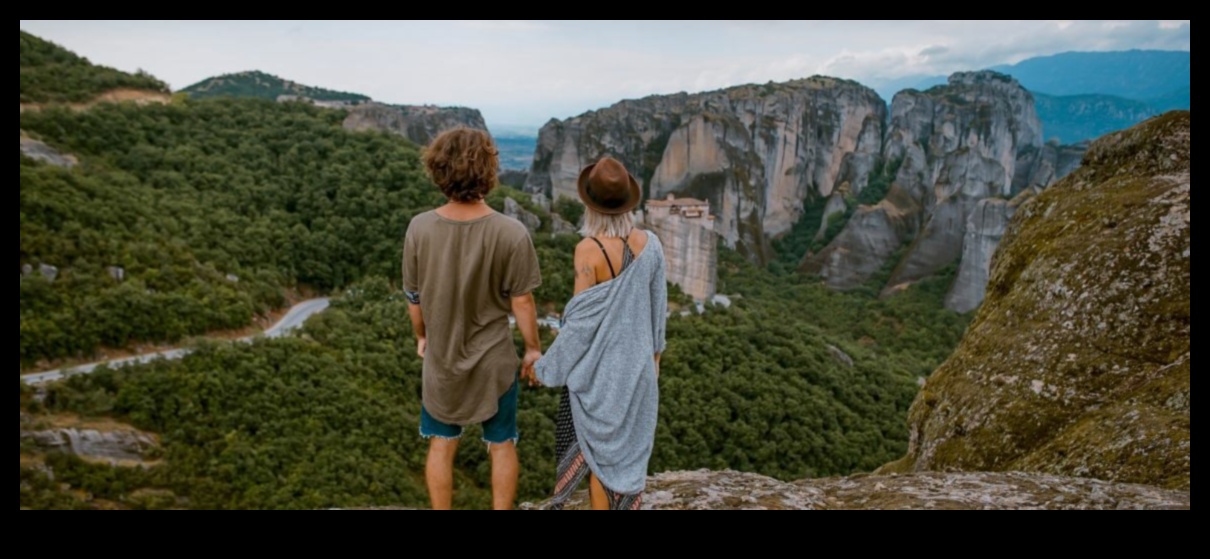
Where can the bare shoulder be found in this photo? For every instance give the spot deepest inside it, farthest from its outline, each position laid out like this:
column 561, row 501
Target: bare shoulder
column 587, row 250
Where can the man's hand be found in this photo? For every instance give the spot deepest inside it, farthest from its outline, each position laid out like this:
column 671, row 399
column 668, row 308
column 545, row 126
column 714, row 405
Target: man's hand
column 526, row 312
column 422, row 346
column 528, row 371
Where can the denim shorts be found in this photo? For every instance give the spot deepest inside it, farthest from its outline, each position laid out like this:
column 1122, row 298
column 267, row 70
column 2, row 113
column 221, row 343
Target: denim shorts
column 500, row 429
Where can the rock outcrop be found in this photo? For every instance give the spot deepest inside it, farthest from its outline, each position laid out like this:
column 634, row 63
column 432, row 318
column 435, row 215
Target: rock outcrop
column 121, row 446
column 1078, row 363
column 955, row 146
column 418, row 123
column 755, row 152
column 530, row 220
column 560, row 226
column 39, row 151
column 984, row 230
column 686, row 230
column 735, row 491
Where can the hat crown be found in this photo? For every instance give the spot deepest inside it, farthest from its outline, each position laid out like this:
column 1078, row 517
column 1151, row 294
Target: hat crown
column 606, row 186
column 609, row 181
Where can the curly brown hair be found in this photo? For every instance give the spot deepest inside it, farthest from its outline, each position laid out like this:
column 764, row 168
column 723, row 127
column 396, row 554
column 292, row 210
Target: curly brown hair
column 463, row 163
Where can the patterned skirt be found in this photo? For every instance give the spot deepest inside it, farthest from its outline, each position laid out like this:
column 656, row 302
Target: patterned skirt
column 573, row 469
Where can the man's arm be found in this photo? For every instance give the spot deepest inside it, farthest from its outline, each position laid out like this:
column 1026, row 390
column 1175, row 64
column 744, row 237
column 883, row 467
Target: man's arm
column 526, row 312
column 422, row 340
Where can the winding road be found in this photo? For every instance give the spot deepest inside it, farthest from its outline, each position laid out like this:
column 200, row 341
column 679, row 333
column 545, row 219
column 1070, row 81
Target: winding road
column 292, row 321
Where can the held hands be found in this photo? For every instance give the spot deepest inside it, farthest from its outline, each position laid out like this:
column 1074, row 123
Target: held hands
column 528, row 371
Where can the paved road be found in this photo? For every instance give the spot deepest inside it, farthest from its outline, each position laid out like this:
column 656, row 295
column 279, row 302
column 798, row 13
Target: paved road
column 293, row 319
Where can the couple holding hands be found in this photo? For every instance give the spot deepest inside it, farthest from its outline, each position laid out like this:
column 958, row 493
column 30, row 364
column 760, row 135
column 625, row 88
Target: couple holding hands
column 466, row 268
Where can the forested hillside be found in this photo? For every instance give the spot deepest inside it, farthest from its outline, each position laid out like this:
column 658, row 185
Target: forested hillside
column 260, row 85
column 210, row 208
column 329, row 419
column 52, row 74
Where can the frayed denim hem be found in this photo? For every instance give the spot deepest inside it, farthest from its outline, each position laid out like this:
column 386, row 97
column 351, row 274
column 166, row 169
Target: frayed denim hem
column 515, row 441
column 439, row 437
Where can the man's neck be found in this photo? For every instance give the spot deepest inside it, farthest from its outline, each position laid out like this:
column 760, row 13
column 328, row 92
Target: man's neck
column 464, row 211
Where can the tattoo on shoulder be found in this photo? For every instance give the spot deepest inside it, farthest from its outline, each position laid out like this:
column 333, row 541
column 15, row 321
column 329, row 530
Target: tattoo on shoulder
column 586, row 271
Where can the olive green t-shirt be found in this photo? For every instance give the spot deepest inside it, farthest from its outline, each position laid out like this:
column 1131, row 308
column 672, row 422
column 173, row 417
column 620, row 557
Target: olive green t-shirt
column 465, row 274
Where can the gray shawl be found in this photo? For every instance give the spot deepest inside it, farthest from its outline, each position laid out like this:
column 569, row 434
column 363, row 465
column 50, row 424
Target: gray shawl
column 605, row 356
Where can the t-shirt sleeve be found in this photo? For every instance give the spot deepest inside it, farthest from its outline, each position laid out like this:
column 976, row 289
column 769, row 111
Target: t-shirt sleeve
column 411, row 265
column 523, row 275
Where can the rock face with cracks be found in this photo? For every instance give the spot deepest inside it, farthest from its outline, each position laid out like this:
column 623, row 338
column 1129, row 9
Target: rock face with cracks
column 418, row 123
column 756, row 153
column 956, row 146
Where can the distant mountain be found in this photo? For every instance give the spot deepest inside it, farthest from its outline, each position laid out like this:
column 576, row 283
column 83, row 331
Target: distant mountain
column 1133, row 74
column 418, row 123
column 1075, row 118
column 1084, row 95
column 265, row 86
column 53, row 74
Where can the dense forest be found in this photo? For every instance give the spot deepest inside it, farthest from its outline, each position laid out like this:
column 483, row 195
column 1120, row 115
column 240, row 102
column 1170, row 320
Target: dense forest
column 259, row 85
column 53, row 74
column 329, row 418
column 215, row 210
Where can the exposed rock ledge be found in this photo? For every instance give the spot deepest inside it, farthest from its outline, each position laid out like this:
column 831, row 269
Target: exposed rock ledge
column 735, row 491
column 117, row 445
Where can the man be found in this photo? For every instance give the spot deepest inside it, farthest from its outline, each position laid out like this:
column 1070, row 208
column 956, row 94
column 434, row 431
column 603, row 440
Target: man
column 465, row 268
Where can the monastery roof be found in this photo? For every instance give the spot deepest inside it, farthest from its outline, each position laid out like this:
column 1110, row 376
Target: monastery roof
column 677, row 202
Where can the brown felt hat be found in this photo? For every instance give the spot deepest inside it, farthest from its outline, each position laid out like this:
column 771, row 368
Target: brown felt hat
column 606, row 187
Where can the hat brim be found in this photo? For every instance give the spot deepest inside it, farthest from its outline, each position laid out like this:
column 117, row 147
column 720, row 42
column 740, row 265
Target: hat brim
column 636, row 195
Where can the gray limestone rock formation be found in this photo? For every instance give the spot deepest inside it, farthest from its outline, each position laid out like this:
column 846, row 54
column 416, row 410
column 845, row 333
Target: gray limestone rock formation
column 419, row 124
column 955, row 146
column 755, row 152
column 986, row 226
column 126, row 445
column 836, row 207
column 686, row 229
column 529, row 220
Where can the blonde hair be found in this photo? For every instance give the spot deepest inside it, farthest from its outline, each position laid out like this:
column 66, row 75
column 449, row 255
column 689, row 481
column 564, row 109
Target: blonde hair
column 597, row 224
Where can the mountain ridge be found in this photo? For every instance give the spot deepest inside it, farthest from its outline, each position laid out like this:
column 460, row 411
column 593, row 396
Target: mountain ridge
column 263, row 85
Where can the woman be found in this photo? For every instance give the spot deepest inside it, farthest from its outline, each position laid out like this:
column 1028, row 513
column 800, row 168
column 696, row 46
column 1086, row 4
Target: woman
column 608, row 351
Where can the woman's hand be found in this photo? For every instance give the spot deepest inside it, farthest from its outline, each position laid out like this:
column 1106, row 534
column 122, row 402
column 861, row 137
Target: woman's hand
column 422, row 346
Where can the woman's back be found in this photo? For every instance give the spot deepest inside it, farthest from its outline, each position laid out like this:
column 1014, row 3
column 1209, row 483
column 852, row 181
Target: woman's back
column 601, row 259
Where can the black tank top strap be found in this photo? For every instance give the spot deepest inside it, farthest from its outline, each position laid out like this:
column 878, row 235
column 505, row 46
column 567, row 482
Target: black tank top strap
column 607, row 259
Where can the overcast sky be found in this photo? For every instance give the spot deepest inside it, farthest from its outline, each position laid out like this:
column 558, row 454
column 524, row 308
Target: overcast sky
column 525, row 72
